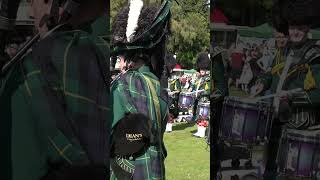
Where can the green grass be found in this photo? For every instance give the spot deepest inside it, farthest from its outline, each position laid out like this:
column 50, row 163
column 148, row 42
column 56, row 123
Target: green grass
column 188, row 156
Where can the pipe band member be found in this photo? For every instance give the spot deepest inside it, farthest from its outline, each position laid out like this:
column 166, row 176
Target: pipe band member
column 140, row 111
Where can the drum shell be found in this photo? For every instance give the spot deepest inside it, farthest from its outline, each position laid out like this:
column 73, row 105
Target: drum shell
column 189, row 100
column 254, row 124
column 299, row 154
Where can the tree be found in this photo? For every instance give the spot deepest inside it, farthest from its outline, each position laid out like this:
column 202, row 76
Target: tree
column 190, row 31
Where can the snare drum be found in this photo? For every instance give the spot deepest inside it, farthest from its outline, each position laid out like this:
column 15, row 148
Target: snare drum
column 299, row 154
column 203, row 111
column 244, row 120
column 186, row 100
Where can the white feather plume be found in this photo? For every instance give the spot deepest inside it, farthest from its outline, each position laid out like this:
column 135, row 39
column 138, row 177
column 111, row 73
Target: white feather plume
column 133, row 17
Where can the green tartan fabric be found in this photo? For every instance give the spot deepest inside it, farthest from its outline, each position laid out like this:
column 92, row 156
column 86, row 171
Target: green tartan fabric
column 29, row 127
column 130, row 94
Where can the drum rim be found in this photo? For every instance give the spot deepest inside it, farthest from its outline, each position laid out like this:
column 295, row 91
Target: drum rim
column 249, row 106
column 282, row 174
column 238, row 99
column 291, row 134
column 186, row 93
column 204, row 104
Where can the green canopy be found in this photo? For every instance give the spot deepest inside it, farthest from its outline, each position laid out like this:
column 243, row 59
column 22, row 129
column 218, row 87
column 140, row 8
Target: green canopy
column 262, row 31
column 266, row 31
column 190, row 71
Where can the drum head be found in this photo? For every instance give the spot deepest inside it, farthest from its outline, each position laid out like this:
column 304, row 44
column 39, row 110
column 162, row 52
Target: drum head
column 185, row 100
column 245, row 121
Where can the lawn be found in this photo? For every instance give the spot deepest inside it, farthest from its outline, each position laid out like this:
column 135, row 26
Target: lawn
column 188, row 156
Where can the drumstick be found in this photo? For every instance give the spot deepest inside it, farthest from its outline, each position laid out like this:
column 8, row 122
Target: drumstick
column 168, row 90
column 193, row 92
column 278, row 95
column 276, row 101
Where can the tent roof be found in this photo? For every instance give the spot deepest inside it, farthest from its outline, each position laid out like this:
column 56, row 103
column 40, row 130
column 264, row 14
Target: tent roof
column 262, row 31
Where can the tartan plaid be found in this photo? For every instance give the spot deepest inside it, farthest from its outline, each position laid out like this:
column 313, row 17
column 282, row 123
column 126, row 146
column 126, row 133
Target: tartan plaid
column 32, row 136
column 131, row 94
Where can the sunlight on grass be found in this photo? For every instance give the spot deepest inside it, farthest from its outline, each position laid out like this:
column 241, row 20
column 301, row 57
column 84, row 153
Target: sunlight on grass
column 188, row 156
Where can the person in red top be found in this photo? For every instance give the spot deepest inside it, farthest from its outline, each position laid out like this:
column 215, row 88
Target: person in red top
column 217, row 16
column 236, row 63
column 177, row 66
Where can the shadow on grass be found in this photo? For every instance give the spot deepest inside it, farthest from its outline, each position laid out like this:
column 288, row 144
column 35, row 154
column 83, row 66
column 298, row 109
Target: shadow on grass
column 182, row 126
column 194, row 131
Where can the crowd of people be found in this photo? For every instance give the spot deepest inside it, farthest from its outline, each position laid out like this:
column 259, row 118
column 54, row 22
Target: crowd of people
column 248, row 61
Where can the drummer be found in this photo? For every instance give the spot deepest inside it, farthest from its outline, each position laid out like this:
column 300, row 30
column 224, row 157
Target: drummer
column 201, row 87
column 298, row 110
column 174, row 83
column 174, row 87
column 185, row 83
column 138, row 104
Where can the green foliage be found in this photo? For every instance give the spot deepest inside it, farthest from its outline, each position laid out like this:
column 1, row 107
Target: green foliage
column 115, row 7
column 189, row 27
column 190, row 31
